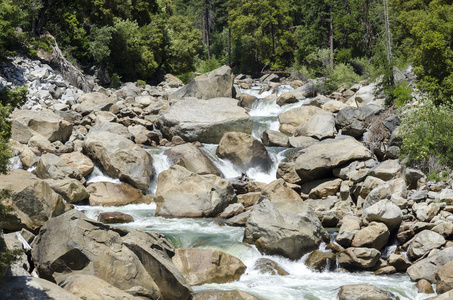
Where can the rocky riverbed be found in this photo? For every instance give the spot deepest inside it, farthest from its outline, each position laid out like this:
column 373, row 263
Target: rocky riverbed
column 295, row 179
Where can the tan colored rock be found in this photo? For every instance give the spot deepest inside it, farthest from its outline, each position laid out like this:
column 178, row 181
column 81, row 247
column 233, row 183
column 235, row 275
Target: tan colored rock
column 28, row 158
column 115, row 217
column 120, row 158
column 93, row 102
column 224, row 295
column 319, row 159
column 423, row 286
column 193, row 159
column 333, row 106
column 32, row 199
column 387, row 170
column 349, row 227
column 51, row 166
column 444, row 277
column 39, row 144
column 375, row 235
column 112, row 194
column 249, row 199
column 320, row 260
column 274, row 138
column 384, row 211
column 363, row 292
column 244, row 151
column 287, row 171
column 359, row 258
column 72, row 190
column 79, row 161
column 200, row 266
column 28, row 123
column 279, row 191
column 295, row 117
column 387, row 270
column 93, row 288
column 400, row 262
column 423, row 242
column 325, row 189
column 268, row 266
column 319, row 126
column 181, row 193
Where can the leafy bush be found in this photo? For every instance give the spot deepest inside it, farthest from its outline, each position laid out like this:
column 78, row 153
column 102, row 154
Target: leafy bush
column 141, row 83
column 115, row 81
column 402, row 94
column 427, row 135
column 208, row 65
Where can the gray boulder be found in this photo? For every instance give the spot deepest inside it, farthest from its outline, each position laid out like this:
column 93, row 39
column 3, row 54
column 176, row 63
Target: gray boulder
column 28, row 123
column 375, row 235
column 359, row 258
column 423, row 242
column 364, row 291
column 33, row 201
column 51, row 166
column 219, row 115
column 307, row 90
column 384, row 211
column 217, row 83
column 120, row 158
column 349, row 227
column 115, row 128
column 93, row 102
column 318, row 160
column 181, row 193
column 319, row 126
column 71, row 244
column 244, row 151
column 295, row 117
column 193, row 159
column 200, row 266
column 71, row 190
column 427, row 267
column 287, row 229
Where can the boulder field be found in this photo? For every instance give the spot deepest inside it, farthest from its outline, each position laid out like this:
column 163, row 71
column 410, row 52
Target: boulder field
column 336, row 175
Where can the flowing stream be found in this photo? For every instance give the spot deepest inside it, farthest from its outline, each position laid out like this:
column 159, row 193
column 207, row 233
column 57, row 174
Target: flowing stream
column 302, row 283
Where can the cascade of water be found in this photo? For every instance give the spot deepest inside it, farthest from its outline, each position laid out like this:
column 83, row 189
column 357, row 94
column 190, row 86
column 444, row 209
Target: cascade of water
column 15, row 163
column 98, row 176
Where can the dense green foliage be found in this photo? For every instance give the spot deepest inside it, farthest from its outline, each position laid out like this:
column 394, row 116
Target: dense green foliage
column 138, row 39
column 427, row 134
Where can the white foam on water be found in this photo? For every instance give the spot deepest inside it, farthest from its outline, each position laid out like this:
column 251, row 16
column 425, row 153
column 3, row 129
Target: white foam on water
column 15, row 163
column 98, row 176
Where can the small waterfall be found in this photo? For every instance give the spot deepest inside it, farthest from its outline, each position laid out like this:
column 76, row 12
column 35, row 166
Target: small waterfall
column 15, row 163
column 160, row 164
column 98, row 176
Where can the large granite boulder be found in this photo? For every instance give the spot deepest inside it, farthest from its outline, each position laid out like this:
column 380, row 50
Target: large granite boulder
column 282, row 228
column 375, row 235
column 244, row 151
column 93, row 288
column 319, row 126
column 33, row 201
column 79, row 161
column 125, row 258
column 427, row 267
column 307, row 90
column 424, row 242
column 193, row 159
column 72, row 190
column 444, row 277
column 51, row 166
column 349, row 227
column 318, row 160
column 217, row 83
column 120, row 158
column 359, row 258
column 200, row 266
column 181, row 193
column 389, row 190
column 223, row 295
column 364, row 291
column 28, row 123
column 28, row 287
column 295, row 117
column 115, row 128
column 93, row 102
column 204, row 121
column 113, row 194
column 384, row 211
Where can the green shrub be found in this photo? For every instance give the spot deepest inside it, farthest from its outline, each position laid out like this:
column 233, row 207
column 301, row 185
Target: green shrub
column 141, row 83
column 402, row 94
column 115, row 81
column 186, row 77
column 208, row 65
column 427, row 135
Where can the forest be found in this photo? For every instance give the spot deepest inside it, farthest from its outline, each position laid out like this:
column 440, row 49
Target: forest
column 339, row 39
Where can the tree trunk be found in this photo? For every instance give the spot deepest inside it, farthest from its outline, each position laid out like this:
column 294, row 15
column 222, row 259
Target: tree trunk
column 331, row 34
column 206, row 27
column 229, row 46
column 368, row 27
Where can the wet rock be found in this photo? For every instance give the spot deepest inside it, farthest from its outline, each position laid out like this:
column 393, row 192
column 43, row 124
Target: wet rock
column 200, row 266
column 400, row 262
column 115, row 218
column 288, row 229
column 220, row 115
column 120, row 158
column 320, row 261
column 193, row 159
column 33, row 201
column 181, row 193
column 359, row 258
column 268, row 266
column 364, row 292
column 423, row 286
column 387, row 270
column 274, row 138
column 243, row 151
column 113, row 194
column 307, row 90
